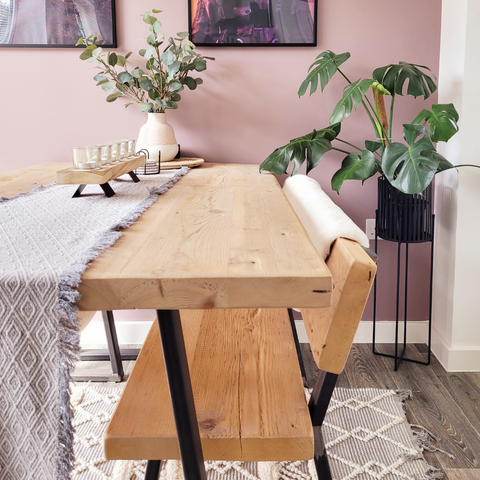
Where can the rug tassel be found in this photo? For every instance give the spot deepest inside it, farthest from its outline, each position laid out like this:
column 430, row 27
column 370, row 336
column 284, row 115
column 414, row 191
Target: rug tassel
column 423, row 440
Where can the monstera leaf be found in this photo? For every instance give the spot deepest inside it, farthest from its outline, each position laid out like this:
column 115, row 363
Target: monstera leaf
column 325, row 67
column 352, row 97
column 393, row 78
column 311, row 147
column 410, row 168
column 442, row 120
column 354, row 167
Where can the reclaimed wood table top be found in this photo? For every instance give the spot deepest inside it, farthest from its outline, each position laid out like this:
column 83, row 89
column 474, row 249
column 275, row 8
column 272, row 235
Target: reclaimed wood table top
column 224, row 236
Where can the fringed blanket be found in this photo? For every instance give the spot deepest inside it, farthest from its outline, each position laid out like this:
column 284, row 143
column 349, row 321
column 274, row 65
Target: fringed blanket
column 47, row 240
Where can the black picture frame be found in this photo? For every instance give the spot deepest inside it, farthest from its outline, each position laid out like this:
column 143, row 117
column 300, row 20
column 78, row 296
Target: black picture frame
column 56, row 23
column 253, row 23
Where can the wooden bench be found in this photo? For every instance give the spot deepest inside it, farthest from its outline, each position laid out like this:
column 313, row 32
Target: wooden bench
column 246, row 380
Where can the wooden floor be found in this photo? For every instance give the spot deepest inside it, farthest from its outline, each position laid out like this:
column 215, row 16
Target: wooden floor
column 447, row 404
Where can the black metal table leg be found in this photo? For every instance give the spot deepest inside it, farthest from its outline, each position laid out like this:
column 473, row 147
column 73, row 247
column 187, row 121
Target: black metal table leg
column 181, row 394
column 133, row 176
column 318, row 406
column 112, row 341
column 79, row 190
column 297, row 346
column 153, row 470
column 320, row 456
column 107, row 189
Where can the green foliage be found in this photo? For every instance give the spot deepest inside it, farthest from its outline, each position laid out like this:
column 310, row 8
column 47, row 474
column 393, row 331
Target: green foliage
column 409, row 166
column 442, row 120
column 355, row 167
column 156, row 86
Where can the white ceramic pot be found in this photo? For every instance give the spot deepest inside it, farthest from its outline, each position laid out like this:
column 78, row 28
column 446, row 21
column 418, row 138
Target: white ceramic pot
column 157, row 136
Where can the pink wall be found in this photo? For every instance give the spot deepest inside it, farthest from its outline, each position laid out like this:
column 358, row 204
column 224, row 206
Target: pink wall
column 247, row 107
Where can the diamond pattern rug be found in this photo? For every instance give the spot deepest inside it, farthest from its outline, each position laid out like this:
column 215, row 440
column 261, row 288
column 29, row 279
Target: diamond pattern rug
column 366, row 434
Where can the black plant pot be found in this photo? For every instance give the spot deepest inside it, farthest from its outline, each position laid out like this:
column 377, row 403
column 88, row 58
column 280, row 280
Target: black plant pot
column 402, row 217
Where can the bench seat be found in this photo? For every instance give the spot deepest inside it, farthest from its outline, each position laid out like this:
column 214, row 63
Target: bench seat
column 247, row 388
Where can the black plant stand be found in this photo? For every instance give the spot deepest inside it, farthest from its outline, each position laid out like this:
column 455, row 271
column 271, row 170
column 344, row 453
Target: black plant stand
column 403, row 218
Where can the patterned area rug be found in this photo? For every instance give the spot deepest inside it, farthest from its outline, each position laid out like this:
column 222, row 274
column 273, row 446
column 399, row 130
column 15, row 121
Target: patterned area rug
column 366, row 433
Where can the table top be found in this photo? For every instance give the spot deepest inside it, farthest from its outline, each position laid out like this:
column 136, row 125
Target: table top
column 224, row 236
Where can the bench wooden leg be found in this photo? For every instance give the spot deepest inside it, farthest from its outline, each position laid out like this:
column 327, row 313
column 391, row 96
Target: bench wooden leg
column 153, row 470
column 181, row 394
column 318, row 405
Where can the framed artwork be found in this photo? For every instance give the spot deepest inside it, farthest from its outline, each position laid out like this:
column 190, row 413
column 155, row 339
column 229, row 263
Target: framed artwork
column 56, row 23
column 253, row 22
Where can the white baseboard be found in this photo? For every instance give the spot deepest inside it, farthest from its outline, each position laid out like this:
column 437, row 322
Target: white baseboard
column 453, row 360
column 417, row 332
column 136, row 332
column 466, row 359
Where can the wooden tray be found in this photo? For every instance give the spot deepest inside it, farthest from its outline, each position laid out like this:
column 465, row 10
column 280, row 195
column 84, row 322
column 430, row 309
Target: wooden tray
column 100, row 176
column 182, row 162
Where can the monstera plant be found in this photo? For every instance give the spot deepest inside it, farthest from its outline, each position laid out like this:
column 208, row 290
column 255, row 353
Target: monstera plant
column 409, row 166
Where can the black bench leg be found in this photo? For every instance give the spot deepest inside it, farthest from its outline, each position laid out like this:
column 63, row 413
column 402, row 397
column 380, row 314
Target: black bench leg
column 153, row 470
column 318, row 405
column 320, row 459
column 181, row 394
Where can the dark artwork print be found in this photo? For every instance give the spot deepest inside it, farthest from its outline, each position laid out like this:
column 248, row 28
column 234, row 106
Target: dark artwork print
column 259, row 22
column 56, row 22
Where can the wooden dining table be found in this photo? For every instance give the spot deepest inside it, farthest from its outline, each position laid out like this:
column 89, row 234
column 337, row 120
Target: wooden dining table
column 224, row 236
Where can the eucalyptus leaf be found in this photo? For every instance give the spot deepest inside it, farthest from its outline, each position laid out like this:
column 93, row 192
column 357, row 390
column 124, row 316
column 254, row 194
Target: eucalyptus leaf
column 97, row 52
column 354, row 167
column 200, row 65
column 109, row 86
column 121, row 60
column 86, row 54
column 190, row 83
column 148, row 52
column 157, row 26
column 114, row 96
column 324, row 67
column 198, row 81
column 146, row 107
column 146, row 84
column 173, row 105
column 175, row 87
column 442, row 119
column 410, row 168
column 182, row 34
column 167, row 58
column 352, row 97
column 127, row 55
column 137, row 73
column 99, row 77
column 176, row 97
column 112, row 59
column 125, row 77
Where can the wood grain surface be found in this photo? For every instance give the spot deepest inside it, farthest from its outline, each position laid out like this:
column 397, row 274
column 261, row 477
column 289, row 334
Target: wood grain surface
column 247, row 388
column 331, row 330
column 224, row 236
column 103, row 175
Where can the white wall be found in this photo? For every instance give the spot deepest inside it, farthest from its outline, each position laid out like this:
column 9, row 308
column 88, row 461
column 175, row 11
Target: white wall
column 456, row 307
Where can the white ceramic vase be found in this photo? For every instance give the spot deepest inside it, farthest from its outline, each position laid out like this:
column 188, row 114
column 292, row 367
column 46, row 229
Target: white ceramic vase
column 157, row 136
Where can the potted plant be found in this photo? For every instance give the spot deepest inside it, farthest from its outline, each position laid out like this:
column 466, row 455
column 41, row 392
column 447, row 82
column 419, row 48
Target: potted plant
column 155, row 87
column 406, row 169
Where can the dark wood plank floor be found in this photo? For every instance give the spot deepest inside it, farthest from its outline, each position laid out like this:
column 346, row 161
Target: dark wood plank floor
column 447, row 404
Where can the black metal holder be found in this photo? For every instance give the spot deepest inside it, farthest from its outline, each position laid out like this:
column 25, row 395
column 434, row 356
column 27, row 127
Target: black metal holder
column 152, row 168
column 405, row 219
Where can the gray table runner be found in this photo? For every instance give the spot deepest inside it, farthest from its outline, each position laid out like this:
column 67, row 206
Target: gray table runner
column 47, row 240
